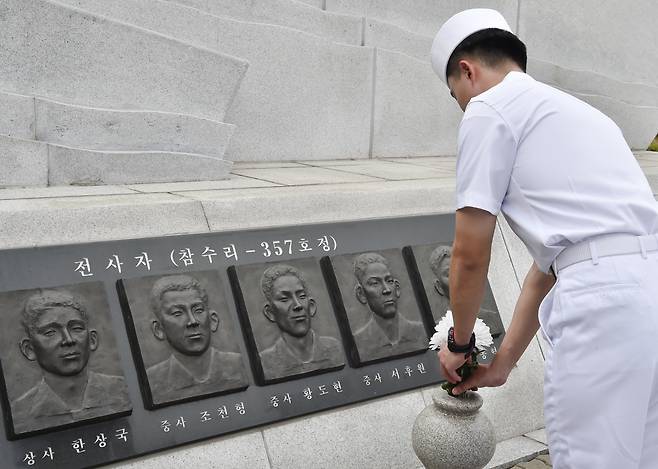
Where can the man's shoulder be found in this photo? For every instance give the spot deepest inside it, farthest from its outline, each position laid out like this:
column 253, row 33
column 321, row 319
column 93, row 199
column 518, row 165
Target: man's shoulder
column 106, row 381
column 24, row 404
column 367, row 329
column 229, row 360
column 328, row 343
column 159, row 371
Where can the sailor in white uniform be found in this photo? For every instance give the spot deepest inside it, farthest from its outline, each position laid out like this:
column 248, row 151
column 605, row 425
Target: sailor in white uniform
column 563, row 176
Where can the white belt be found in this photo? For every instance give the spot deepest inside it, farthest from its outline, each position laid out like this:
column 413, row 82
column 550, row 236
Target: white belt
column 603, row 246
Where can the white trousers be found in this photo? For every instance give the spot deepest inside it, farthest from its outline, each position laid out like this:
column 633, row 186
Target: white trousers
column 601, row 371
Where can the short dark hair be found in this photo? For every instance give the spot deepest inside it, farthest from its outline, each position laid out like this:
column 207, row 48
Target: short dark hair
column 274, row 272
column 175, row 283
column 492, row 46
column 43, row 300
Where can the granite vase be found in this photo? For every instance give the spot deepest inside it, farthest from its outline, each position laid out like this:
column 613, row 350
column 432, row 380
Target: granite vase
column 452, row 433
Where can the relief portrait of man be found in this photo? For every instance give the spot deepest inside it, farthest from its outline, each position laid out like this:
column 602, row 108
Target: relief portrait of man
column 59, row 339
column 387, row 331
column 290, row 305
column 439, row 261
column 183, row 319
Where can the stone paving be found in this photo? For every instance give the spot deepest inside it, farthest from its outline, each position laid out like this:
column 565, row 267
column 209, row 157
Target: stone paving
column 540, row 462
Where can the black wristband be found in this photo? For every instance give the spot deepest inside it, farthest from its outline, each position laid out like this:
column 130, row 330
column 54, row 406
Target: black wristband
column 455, row 348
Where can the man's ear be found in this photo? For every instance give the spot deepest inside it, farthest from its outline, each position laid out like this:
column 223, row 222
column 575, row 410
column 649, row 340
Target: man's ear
column 93, row 339
column 26, row 349
column 158, row 332
column 466, row 69
column 312, row 307
column 439, row 288
column 360, row 294
column 267, row 311
column 214, row 320
column 397, row 288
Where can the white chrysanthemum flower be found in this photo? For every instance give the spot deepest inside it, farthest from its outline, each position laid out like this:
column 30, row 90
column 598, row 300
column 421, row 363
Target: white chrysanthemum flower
column 440, row 338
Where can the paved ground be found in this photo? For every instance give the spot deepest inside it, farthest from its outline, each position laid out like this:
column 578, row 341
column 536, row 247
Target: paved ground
column 540, row 462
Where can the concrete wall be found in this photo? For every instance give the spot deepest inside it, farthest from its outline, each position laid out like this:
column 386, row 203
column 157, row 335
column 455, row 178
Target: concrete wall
column 65, row 54
column 328, row 79
column 602, row 52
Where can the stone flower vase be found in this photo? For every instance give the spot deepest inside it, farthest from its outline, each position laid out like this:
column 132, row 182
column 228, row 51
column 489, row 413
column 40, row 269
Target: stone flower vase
column 451, row 433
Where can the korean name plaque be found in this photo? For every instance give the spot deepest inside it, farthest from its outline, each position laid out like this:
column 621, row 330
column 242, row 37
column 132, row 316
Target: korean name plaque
column 115, row 349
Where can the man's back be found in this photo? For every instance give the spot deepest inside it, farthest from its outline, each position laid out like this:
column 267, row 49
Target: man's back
column 563, row 168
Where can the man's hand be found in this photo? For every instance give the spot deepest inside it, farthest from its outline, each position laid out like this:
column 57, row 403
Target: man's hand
column 449, row 363
column 483, row 376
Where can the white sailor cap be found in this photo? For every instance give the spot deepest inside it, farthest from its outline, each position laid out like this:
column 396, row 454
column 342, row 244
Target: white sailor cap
column 458, row 28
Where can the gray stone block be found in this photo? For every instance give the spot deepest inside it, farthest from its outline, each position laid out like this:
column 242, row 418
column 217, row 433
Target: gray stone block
column 614, row 39
column 590, row 83
column 23, row 162
column 235, row 182
column 267, row 207
column 633, row 106
column 388, row 36
column 74, row 166
column 515, row 450
column 243, row 451
column 446, row 163
column 371, row 435
column 17, row 116
column 396, row 171
column 314, row 3
column 290, row 13
column 420, row 16
column 538, row 435
column 414, row 113
column 309, row 100
column 303, row 176
column 610, row 70
column 68, row 220
column 110, row 130
column 61, row 191
column 81, row 58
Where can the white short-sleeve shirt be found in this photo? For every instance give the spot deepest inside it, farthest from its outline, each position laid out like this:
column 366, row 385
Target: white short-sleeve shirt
column 558, row 169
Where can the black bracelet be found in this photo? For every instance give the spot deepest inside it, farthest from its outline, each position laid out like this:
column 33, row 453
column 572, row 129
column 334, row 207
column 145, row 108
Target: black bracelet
column 455, row 348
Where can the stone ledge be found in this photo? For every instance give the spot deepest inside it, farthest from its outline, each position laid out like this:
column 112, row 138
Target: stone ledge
column 79, row 57
column 69, row 220
column 515, row 450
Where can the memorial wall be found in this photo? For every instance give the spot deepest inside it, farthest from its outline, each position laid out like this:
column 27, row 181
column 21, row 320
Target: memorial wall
column 280, row 327
column 110, row 349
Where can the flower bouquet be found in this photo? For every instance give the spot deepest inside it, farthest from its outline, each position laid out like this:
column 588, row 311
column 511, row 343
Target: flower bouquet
column 482, row 339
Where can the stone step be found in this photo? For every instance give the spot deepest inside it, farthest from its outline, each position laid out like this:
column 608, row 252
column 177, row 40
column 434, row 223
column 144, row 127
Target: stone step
column 33, row 163
column 74, row 166
column 50, row 49
column 111, row 130
column 23, row 162
column 17, row 116
column 313, row 3
column 290, row 13
column 633, row 106
column 397, row 39
column 423, row 17
column 304, row 97
column 414, row 114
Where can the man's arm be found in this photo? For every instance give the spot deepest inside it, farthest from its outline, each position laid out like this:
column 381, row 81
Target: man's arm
column 471, row 252
column 522, row 329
